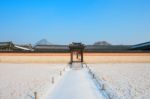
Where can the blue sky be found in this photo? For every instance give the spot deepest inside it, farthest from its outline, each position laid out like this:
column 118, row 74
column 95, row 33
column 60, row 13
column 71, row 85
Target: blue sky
column 65, row 21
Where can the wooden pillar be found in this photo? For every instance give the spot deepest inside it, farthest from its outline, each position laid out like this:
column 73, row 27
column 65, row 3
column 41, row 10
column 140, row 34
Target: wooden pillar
column 81, row 55
column 71, row 56
column 35, row 95
column 77, row 55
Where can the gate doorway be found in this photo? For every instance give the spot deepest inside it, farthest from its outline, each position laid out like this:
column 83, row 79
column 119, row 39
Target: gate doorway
column 76, row 52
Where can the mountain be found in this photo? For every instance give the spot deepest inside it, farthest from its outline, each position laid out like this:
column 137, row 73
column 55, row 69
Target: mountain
column 102, row 43
column 43, row 42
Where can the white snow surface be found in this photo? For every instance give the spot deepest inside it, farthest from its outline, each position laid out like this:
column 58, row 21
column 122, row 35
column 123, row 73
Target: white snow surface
column 76, row 84
column 121, row 81
column 20, row 81
column 124, row 80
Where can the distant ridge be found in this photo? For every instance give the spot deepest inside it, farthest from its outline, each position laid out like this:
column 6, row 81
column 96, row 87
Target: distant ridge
column 43, row 42
column 102, row 43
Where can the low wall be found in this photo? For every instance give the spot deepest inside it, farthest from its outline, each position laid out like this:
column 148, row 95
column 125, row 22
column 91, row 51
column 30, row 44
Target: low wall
column 34, row 57
column 65, row 57
column 117, row 58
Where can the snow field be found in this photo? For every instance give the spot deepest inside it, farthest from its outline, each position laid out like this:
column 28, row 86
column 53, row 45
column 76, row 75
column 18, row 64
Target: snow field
column 20, row 81
column 124, row 80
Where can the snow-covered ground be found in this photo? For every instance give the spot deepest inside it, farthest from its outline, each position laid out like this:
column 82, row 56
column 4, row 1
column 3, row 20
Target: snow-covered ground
column 20, row 81
column 76, row 84
column 125, row 80
column 121, row 80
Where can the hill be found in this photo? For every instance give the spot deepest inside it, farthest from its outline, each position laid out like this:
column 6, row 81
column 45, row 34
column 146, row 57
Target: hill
column 43, row 42
column 102, row 43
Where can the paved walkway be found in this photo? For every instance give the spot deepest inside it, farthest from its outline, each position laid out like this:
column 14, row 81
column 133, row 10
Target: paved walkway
column 76, row 84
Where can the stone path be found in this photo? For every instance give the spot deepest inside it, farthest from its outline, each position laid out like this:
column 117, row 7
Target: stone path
column 76, row 84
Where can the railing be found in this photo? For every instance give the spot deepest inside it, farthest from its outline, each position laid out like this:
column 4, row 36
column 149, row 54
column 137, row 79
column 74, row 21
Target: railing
column 52, row 81
column 102, row 85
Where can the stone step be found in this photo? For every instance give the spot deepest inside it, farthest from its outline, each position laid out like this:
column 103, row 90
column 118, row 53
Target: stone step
column 76, row 65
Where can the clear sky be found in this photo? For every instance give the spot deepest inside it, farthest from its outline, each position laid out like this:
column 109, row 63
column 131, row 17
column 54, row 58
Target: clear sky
column 64, row 21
